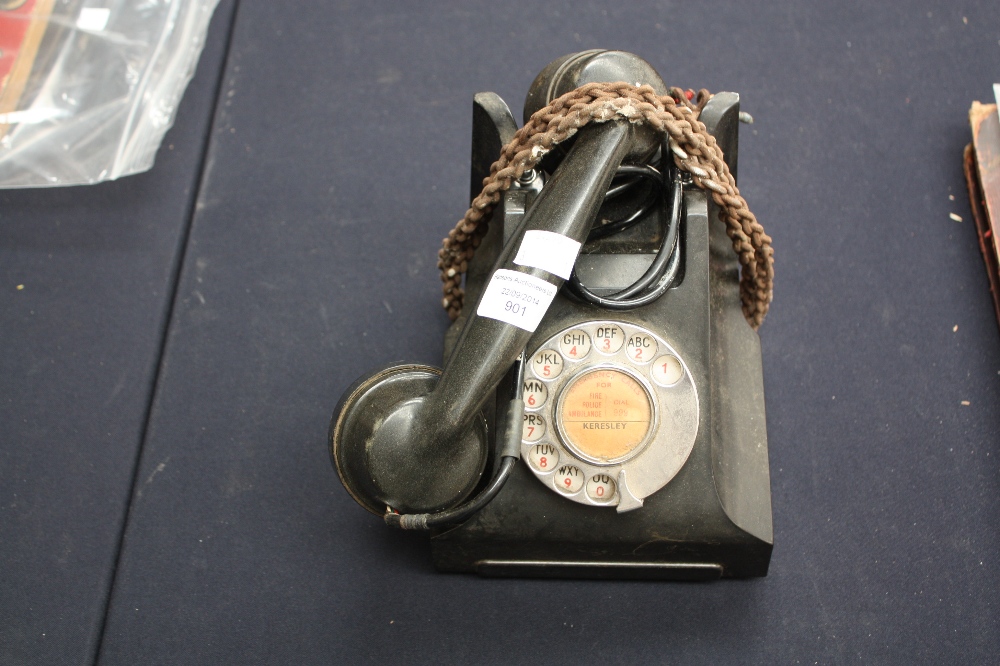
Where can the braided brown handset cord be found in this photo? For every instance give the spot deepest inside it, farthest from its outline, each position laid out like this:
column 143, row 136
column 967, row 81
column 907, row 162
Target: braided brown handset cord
column 695, row 151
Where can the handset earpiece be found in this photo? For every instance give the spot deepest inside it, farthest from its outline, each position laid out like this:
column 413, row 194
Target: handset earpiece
column 597, row 66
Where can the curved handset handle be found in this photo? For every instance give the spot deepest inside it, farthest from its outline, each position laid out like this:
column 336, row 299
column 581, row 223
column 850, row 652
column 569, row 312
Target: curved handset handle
column 402, row 438
column 487, row 347
column 395, row 441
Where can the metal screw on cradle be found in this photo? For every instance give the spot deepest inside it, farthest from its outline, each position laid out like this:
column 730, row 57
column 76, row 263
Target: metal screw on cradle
column 528, row 177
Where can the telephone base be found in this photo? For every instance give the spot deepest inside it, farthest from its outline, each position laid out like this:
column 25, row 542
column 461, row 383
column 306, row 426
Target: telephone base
column 713, row 518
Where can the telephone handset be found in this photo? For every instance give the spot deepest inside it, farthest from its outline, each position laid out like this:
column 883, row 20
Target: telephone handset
column 600, row 412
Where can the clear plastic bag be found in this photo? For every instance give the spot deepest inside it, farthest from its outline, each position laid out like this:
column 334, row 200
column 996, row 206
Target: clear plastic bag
column 88, row 88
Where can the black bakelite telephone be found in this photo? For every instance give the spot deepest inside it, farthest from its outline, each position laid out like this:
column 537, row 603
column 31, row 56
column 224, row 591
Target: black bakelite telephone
column 601, row 408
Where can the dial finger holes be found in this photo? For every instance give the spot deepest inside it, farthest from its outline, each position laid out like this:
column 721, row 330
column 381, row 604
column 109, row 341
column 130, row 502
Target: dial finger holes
column 569, row 479
column 534, row 428
column 667, row 370
column 574, row 344
column 535, row 394
column 601, row 488
column 543, row 457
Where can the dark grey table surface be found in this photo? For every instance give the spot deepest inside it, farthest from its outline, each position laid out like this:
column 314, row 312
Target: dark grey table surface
column 169, row 368
column 81, row 343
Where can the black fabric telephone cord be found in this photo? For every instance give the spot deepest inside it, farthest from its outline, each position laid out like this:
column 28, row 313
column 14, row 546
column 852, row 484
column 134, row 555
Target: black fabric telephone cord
column 660, row 275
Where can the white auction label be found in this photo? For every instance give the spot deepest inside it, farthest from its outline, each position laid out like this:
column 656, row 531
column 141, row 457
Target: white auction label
column 551, row 252
column 516, row 298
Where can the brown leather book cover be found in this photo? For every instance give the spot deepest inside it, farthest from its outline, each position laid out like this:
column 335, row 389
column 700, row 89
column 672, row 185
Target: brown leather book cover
column 22, row 25
column 982, row 173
